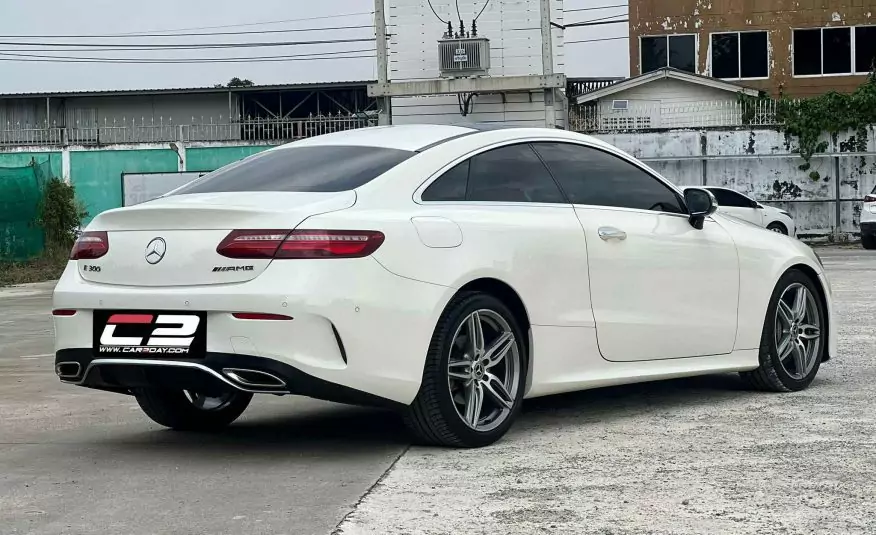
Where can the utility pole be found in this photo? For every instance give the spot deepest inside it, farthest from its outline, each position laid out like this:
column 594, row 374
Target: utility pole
column 547, row 61
column 384, row 102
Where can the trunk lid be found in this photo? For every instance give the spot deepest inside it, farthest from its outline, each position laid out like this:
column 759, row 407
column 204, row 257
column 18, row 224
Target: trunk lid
column 172, row 241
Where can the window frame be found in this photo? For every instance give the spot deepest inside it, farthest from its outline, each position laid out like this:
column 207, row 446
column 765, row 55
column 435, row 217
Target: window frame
column 855, row 71
column 738, row 34
column 822, row 75
column 696, row 37
column 418, row 192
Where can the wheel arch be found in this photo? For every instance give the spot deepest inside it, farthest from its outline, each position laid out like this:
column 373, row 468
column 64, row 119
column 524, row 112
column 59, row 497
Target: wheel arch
column 780, row 223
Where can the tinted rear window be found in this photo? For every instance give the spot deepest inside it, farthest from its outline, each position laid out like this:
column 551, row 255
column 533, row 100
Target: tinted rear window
column 315, row 169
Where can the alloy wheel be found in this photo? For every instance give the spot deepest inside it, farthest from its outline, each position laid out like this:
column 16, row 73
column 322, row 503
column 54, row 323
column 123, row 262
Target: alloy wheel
column 483, row 370
column 797, row 331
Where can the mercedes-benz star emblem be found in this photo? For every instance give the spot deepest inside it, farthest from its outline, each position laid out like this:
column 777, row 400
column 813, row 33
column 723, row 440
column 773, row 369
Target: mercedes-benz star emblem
column 155, row 250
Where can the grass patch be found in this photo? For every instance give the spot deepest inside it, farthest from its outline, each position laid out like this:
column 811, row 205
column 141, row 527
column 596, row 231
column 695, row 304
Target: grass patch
column 49, row 266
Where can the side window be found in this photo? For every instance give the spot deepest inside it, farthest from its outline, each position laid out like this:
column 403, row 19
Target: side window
column 450, row 186
column 730, row 198
column 591, row 176
column 511, row 174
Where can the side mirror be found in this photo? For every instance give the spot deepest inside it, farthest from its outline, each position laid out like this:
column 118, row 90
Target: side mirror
column 700, row 205
column 756, row 205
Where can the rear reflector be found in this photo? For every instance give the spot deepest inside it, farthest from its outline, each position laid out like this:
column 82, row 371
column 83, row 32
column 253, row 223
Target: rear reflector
column 257, row 316
column 304, row 243
column 869, row 198
column 63, row 312
column 90, row 245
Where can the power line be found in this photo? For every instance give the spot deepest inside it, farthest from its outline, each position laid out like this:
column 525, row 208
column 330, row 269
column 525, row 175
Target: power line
column 130, row 35
column 243, row 25
column 435, row 12
column 594, row 8
column 599, row 23
column 221, row 60
column 185, row 60
column 596, row 40
column 139, row 46
column 481, row 12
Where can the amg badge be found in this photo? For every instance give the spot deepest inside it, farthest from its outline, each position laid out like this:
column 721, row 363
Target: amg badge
column 233, row 268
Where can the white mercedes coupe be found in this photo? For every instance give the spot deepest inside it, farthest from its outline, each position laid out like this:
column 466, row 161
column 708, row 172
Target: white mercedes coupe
column 446, row 271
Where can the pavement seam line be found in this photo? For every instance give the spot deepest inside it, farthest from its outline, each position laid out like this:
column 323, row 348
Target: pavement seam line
column 337, row 530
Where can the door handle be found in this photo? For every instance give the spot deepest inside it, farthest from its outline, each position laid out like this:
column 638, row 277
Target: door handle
column 611, row 233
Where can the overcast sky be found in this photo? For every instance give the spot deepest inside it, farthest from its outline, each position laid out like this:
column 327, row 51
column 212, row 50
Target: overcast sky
column 92, row 17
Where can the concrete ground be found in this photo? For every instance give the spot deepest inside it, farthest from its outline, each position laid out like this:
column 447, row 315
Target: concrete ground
column 683, row 457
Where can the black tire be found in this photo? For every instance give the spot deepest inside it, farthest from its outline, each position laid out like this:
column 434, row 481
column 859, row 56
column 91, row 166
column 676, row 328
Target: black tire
column 775, row 226
column 432, row 417
column 868, row 241
column 771, row 376
column 172, row 408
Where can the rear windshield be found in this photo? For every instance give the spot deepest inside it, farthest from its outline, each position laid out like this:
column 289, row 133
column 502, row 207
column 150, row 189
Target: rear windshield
column 317, row 169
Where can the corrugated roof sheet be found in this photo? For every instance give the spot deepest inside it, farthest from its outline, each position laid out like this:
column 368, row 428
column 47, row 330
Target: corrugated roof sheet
column 193, row 90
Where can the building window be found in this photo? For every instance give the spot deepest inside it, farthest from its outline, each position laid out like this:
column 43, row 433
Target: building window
column 865, row 48
column 740, row 55
column 675, row 51
column 823, row 51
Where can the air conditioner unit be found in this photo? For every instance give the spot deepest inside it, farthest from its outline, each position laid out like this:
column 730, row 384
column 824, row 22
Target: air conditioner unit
column 464, row 57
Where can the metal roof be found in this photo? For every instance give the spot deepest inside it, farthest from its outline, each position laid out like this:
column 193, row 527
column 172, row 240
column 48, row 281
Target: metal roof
column 191, row 90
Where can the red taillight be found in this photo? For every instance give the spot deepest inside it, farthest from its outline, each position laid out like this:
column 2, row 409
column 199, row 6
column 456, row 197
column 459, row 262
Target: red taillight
column 869, row 198
column 302, row 243
column 63, row 312
column 257, row 316
column 90, row 245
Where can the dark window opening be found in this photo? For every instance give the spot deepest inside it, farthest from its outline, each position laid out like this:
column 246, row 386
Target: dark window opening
column 511, row 174
column 865, row 48
column 592, row 177
column 725, row 55
column 450, row 186
column 807, row 52
column 837, row 50
column 683, row 53
column 653, row 54
column 301, row 169
column 754, row 54
column 730, row 198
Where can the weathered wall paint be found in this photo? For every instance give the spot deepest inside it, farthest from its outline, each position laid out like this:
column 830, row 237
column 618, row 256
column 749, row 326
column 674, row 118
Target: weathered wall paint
column 97, row 174
column 212, row 158
column 757, row 163
column 778, row 17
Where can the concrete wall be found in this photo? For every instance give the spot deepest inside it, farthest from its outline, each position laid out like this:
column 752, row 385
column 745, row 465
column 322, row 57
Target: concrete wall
column 704, row 17
column 759, row 163
column 514, row 30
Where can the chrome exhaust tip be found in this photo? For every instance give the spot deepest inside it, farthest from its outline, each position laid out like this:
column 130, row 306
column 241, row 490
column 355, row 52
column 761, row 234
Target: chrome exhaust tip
column 254, row 379
column 68, row 371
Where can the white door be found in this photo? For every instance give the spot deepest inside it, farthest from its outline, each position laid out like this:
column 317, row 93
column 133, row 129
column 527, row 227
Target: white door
column 738, row 205
column 659, row 288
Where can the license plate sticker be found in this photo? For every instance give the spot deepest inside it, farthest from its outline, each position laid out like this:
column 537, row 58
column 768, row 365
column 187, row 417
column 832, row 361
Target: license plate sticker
column 150, row 333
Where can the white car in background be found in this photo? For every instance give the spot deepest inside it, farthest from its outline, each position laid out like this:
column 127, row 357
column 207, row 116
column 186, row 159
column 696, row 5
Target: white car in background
column 868, row 221
column 448, row 272
column 733, row 203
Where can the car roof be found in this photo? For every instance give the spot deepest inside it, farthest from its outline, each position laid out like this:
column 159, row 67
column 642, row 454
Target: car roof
column 420, row 137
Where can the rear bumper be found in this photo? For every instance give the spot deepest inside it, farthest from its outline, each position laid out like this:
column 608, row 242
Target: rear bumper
column 868, row 228
column 215, row 372
column 356, row 325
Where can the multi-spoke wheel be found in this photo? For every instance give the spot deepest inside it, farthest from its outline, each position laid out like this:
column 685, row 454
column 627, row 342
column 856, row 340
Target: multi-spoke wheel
column 791, row 347
column 192, row 411
column 474, row 376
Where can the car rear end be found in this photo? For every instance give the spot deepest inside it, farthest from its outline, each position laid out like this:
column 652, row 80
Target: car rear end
column 868, row 221
column 231, row 282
